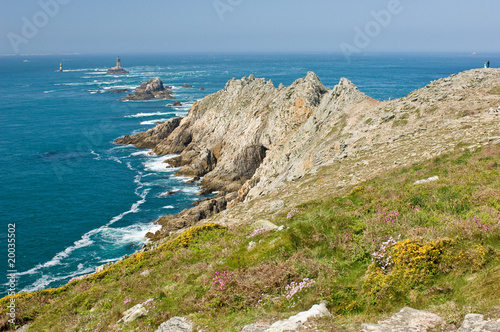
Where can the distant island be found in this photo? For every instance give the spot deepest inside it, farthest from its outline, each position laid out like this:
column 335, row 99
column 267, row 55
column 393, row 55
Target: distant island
column 118, row 69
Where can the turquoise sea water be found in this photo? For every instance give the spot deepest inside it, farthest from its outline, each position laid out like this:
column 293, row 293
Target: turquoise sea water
column 77, row 199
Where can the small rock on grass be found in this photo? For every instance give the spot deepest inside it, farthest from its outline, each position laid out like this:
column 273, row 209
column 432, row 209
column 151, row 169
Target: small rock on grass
column 291, row 324
column 432, row 179
column 176, row 324
column 407, row 319
column 133, row 313
column 262, row 223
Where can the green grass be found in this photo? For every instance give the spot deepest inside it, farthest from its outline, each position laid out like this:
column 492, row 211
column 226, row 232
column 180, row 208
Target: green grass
column 446, row 259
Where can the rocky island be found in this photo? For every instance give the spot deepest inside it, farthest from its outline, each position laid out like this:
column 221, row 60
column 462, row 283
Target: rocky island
column 335, row 212
column 152, row 89
column 118, row 68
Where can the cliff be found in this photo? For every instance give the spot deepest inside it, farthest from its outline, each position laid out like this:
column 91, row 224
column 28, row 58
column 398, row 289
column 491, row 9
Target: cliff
column 363, row 205
column 254, row 139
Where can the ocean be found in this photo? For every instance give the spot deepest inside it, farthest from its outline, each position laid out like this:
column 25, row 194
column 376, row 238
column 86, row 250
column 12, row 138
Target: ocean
column 78, row 200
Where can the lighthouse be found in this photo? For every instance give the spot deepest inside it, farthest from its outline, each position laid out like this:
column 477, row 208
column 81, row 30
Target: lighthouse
column 118, row 69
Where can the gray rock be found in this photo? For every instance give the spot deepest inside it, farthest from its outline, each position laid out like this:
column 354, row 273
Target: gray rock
column 262, row 223
column 407, row 320
column 133, row 313
column 24, row 328
column 476, row 323
column 276, row 205
column 291, row 324
column 152, row 89
column 176, row 324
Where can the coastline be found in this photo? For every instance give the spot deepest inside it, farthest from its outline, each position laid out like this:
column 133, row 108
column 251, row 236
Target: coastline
column 427, row 115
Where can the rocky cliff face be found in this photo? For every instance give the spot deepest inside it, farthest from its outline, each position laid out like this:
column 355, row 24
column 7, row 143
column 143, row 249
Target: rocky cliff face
column 253, row 138
column 250, row 126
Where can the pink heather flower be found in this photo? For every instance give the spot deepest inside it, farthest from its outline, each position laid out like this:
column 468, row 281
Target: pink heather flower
column 127, row 300
column 294, row 288
column 259, row 231
column 292, row 213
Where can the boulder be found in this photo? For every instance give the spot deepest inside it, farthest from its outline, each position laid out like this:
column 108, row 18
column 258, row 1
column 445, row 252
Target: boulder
column 185, row 85
column 476, row 323
column 291, row 324
column 262, row 223
column 176, row 324
column 133, row 313
column 407, row 319
column 152, row 89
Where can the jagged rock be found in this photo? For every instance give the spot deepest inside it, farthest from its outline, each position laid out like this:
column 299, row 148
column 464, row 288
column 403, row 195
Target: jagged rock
column 291, row 324
column 152, row 89
column 176, row 324
column 133, row 313
column 264, row 137
column 177, row 103
column 189, row 217
column 202, row 89
column 196, row 162
column 432, row 179
column 150, row 138
column 407, row 319
column 476, row 323
column 185, row 85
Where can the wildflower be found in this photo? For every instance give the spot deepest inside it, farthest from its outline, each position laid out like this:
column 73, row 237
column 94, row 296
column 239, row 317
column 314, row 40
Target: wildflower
column 294, row 287
column 222, row 279
column 259, row 231
column 127, row 300
column 292, row 213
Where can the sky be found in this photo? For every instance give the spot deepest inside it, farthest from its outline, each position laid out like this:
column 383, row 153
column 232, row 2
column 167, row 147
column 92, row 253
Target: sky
column 244, row 26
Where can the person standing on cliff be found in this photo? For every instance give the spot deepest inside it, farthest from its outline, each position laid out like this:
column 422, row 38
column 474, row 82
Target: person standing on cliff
column 486, row 64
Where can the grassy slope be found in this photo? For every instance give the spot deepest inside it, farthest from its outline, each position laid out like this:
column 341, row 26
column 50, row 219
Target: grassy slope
column 446, row 260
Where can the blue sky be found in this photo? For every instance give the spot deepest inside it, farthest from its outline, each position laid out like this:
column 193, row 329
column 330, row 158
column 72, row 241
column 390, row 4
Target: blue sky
column 164, row 26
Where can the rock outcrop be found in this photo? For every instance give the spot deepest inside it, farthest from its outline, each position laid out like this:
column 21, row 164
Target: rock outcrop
column 253, row 139
column 152, row 89
column 152, row 137
column 189, row 217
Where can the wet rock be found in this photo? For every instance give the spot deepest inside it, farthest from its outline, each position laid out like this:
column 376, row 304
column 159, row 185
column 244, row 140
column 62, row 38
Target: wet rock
column 188, row 217
column 152, row 89
column 152, row 137
column 185, row 85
